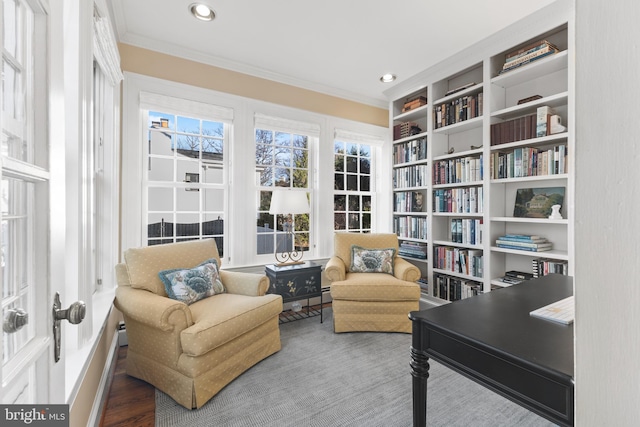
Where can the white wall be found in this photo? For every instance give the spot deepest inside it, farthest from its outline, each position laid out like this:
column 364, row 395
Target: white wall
column 607, row 278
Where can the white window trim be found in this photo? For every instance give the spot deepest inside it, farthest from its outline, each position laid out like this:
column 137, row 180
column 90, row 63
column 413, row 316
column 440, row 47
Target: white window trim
column 78, row 54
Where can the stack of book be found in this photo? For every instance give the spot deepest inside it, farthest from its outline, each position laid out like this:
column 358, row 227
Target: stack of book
column 528, row 54
column 406, row 129
column 524, row 242
column 413, row 250
column 514, row 277
column 412, row 103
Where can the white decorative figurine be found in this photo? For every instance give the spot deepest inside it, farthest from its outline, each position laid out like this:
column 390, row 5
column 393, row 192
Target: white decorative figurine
column 555, row 212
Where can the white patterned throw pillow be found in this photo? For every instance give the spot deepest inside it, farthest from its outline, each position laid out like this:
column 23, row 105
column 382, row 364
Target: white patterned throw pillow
column 365, row 260
column 194, row 284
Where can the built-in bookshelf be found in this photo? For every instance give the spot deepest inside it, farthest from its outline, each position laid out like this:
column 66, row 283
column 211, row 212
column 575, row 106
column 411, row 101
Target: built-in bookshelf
column 488, row 146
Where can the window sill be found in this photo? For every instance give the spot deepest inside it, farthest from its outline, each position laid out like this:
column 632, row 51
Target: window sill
column 77, row 360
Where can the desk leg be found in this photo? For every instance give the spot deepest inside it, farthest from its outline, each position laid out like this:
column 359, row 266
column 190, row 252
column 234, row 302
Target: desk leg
column 420, row 372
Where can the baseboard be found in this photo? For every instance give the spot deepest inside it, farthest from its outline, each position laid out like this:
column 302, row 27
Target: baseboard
column 100, row 401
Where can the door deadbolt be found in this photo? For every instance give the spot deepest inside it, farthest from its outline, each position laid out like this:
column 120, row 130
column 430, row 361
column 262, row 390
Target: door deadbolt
column 74, row 314
column 14, row 320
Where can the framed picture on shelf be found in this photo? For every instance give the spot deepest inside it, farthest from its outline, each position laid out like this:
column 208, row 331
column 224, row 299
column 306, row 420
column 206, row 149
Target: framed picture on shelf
column 537, row 202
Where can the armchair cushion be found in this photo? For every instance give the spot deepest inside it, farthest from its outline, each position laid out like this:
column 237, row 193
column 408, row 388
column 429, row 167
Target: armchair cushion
column 364, row 260
column 223, row 318
column 191, row 285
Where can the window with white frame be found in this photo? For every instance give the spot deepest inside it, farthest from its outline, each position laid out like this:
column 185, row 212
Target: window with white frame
column 353, row 197
column 186, row 178
column 282, row 149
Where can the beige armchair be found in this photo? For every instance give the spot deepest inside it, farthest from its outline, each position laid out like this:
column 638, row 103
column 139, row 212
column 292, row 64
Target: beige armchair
column 192, row 351
column 371, row 301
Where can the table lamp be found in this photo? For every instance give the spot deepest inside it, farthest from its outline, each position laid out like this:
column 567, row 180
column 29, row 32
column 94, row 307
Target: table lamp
column 287, row 203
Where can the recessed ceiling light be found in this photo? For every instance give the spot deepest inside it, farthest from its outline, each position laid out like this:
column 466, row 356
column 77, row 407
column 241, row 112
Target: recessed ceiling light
column 388, row 78
column 202, row 11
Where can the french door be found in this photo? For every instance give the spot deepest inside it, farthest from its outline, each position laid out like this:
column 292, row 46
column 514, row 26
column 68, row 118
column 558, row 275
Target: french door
column 29, row 373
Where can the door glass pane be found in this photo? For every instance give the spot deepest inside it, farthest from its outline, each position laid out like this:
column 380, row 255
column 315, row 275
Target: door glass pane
column 17, row 201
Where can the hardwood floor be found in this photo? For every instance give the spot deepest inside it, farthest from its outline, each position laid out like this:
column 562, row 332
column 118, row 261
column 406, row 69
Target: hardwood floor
column 131, row 402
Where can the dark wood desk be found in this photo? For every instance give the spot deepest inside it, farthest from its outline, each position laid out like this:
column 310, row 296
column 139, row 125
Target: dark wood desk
column 493, row 340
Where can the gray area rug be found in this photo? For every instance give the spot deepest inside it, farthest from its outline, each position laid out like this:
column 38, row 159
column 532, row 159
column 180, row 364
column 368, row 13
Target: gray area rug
column 355, row 379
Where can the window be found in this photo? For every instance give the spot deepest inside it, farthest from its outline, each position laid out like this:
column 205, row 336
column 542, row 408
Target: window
column 282, row 160
column 353, row 192
column 186, row 178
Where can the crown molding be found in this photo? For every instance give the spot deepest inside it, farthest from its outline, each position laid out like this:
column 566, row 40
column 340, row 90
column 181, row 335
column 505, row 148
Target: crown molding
column 194, row 55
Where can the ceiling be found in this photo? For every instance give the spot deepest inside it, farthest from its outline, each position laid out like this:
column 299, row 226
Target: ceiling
column 338, row 47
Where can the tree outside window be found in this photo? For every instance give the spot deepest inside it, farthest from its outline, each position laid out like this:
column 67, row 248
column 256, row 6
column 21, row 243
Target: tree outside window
column 352, row 200
column 282, row 160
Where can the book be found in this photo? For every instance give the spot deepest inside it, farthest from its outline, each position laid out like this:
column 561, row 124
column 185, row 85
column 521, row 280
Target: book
column 535, row 58
column 511, row 280
column 523, row 50
column 519, row 274
column 527, row 57
column 562, row 311
column 524, row 244
column 543, row 117
column 458, row 89
column 523, row 238
column 523, row 248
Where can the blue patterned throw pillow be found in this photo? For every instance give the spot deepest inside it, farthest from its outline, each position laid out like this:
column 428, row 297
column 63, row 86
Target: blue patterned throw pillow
column 191, row 285
column 365, row 260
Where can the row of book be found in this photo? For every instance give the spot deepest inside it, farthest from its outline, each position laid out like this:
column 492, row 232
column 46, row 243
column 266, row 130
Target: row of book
column 408, row 201
column 458, row 200
column 413, row 249
column 411, row 176
column 524, row 242
column 529, row 161
column 405, row 130
column 410, row 151
column 466, row 230
column 458, row 260
column 517, row 129
column 543, row 266
column 528, row 54
column 457, row 110
column 453, row 288
column 459, row 170
column 410, row 227
column 530, row 126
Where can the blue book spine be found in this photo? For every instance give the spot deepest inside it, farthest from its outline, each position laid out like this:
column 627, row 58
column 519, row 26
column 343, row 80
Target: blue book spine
column 522, row 248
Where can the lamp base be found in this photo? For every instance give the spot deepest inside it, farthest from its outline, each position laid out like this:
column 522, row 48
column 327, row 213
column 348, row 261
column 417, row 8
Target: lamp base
column 284, row 264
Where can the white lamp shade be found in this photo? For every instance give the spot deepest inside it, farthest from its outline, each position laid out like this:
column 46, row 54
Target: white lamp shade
column 288, row 202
